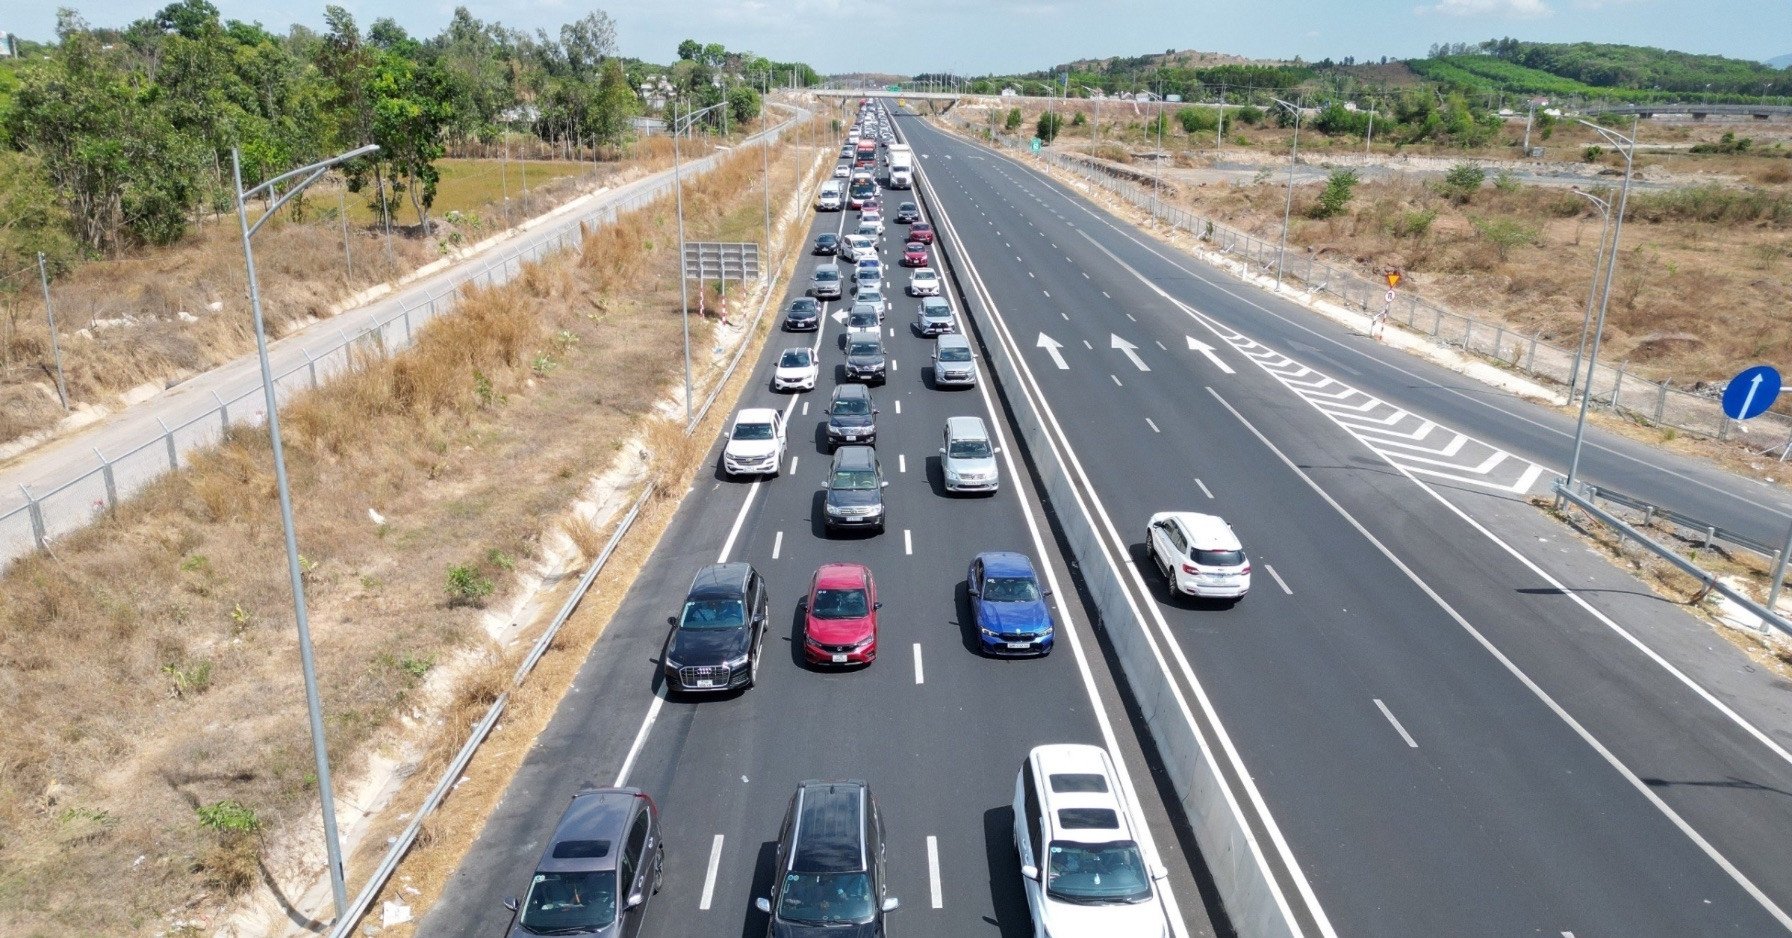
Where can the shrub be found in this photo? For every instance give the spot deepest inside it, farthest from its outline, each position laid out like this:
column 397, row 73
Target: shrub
column 1592, row 153
column 1462, row 182
column 1196, row 120
column 187, row 679
column 1013, row 121
column 1251, row 116
column 1415, row 225
column 1047, row 128
column 1077, row 120
column 228, row 817
column 1729, row 143
column 1505, row 233
column 467, row 586
column 1506, row 181
column 1339, row 187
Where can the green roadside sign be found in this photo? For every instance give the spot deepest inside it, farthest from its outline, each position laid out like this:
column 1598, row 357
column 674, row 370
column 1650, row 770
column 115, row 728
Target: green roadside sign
column 1034, row 145
column 892, row 87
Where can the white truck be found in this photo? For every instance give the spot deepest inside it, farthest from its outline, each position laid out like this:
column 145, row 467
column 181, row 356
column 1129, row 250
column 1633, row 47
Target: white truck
column 901, row 160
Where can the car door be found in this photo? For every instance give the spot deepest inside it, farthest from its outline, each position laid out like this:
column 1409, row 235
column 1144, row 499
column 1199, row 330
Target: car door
column 778, row 431
column 761, row 603
column 1027, row 837
column 975, row 588
column 632, row 876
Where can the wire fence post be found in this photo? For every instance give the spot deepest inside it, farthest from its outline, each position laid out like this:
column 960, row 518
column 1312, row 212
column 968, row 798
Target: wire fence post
column 106, row 475
column 36, row 511
column 1617, row 386
column 43, row 276
column 168, row 438
column 1779, row 571
column 223, row 414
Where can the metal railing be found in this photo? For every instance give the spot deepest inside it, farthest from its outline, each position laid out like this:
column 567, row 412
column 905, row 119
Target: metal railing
column 1616, row 389
column 78, row 501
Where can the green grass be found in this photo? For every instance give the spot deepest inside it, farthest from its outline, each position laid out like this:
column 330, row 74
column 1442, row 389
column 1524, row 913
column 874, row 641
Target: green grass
column 476, row 186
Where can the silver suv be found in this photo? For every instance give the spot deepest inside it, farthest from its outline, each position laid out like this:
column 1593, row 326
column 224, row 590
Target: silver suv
column 933, row 317
column 968, row 460
column 825, row 284
column 953, row 364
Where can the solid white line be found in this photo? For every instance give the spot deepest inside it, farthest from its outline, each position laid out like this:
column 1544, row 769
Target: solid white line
column 933, row 857
column 1204, row 490
column 1153, row 424
column 1397, row 727
column 920, row 676
column 1278, row 578
column 908, row 545
column 777, row 544
column 709, row 879
column 901, row 462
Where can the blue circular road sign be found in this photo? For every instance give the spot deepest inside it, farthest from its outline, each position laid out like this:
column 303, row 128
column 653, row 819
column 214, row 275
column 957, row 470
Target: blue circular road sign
column 1751, row 393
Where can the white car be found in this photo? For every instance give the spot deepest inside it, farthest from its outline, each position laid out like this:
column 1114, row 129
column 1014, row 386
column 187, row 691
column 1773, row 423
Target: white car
column 870, row 294
column 860, row 247
column 1198, row 554
column 863, row 317
column 924, row 282
column 1086, row 861
column 755, row 443
column 872, row 217
column 796, row 370
column 842, row 171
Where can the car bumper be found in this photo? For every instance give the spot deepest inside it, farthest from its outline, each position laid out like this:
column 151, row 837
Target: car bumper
column 947, row 380
column 1016, row 646
column 856, row 439
column 1233, row 589
column 689, row 680
column 806, row 326
column 830, row 656
column 794, row 384
column 854, row 523
column 755, row 467
column 963, row 485
column 865, row 374
column 923, row 291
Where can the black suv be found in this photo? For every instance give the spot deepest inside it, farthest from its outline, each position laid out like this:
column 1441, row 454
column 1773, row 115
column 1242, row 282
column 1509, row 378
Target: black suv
column 802, row 315
column 598, row 872
column 865, row 357
column 716, row 640
column 907, row 212
column 852, row 418
column 826, row 243
column 854, row 499
column 829, row 880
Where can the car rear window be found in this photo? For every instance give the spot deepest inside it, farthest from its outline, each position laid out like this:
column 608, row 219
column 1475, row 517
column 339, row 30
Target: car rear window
column 581, row 849
column 1083, row 819
column 1085, row 782
column 1216, row 558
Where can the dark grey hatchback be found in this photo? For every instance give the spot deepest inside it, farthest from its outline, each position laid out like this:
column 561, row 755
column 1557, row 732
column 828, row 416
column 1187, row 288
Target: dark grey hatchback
column 600, row 870
column 829, row 880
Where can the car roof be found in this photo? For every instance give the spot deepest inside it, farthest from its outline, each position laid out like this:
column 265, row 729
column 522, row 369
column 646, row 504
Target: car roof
column 966, row 426
column 1006, row 563
column 851, row 390
column 841, row 574
column 1090, row 807
column 720, row 581
column 1206, row 532
column 589, row 835
column 756, row 415
column 829, row 836
column 931, row 303
column 952, row 338
column 855, row 457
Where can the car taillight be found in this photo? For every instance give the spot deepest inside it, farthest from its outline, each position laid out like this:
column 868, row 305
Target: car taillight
column 1190, row 569
column 1246, row 571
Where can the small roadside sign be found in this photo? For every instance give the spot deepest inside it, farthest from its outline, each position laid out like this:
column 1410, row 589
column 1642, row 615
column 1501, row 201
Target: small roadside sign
column 1393, row 279
column 892, row 87
column 1750, row 393
column 1034, row 145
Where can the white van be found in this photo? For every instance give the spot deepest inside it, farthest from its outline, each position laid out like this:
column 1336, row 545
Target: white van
column 832, row 197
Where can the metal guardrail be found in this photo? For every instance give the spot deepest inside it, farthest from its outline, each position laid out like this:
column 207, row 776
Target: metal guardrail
column 76, row 502
column 1710, row 580
column 1690, row 528
column 1615, row 389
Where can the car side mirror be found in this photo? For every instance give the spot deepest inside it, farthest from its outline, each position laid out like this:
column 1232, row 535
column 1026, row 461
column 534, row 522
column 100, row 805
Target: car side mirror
column 636, row 899
column 942, row 451
column 876, row 410
column 891, row 904
column 510, row 903
column 1158, row 871
column 971, row 591
column 1030, row 871
column 883, row 485
column 762, row 904
column 877, row 605
column 671, row 620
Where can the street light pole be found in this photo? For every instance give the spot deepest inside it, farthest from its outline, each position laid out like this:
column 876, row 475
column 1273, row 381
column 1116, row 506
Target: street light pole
column 1586, row 322
column 684, row 287
column 1288, row 209
column 1627, row 146
column 313, row 706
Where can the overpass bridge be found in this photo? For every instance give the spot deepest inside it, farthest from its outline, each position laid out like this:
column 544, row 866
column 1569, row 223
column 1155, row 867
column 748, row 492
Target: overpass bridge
column 1698, row 112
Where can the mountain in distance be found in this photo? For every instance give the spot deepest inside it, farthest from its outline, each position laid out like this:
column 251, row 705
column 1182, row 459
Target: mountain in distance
column 1781, row 61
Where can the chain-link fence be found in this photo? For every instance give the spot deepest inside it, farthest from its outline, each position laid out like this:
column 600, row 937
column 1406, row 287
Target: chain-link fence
column 30, row 520
column 1612, row 388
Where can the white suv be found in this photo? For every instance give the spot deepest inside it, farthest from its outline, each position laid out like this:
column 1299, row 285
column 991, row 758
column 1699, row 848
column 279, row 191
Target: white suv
column 1198, row 554
column 1086, row 861
column 755, row 443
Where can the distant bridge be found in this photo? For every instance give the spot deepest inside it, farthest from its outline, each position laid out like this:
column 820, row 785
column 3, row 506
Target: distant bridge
column 1698, row 112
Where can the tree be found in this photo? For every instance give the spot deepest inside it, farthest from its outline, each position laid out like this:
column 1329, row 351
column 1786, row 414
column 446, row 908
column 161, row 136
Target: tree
column 1013, row 121
column 587, row 42
column 1462, row 182
column 1505, row 233
column 410, row 112
column 1049, row 125
column 616, row 103
column 689, row 50
column 743, row 103
column 1339, row 187
column 1195, row 119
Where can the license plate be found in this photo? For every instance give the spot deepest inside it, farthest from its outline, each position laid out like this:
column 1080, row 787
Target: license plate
column 1018, row 645
column 839, row 659
column 852, row 436
column 706, row 683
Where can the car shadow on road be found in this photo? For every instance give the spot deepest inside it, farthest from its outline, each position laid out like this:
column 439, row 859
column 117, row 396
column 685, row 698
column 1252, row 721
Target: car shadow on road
column 1006, row 895
column 764, row 869
column 966, row 622
column 796, row 634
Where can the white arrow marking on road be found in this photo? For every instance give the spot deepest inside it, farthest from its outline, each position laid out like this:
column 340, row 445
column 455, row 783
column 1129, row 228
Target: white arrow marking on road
column 1749, row 401
column 1129, row 350
column 1051, row 347
column 839, row 315
column 1207, row 350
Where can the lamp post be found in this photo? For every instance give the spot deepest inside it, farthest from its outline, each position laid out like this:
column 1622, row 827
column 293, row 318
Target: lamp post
column 684, row 287
column 308, row 664
column 1586, row 323
column 1288, row 209
column 1626, row 146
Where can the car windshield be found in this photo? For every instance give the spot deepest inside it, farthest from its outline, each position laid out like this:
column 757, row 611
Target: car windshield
column 864, row 348
column 1217, row 558
column 923, row 275
column 862, row 317
column 1010, row 589
column 840, row 604
column 752, row 431
column 1097, row 874
column 955, row 354
column 826, row 898
column 713, row 614
column 804, row 305
column 852, row 407
column 916, row 247
column 826, row 239
column 871, row 295
column 968, row 449
column 794, row 358
column 827, row 275
column 908, row 206
column 854, row 480
column 564, row 903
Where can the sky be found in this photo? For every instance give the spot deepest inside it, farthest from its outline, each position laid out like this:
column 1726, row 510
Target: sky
column 1007, row 36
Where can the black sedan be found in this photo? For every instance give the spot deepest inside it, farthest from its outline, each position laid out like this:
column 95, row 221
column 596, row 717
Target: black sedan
column 908, row 213
column 826, row 244
column 802, row 315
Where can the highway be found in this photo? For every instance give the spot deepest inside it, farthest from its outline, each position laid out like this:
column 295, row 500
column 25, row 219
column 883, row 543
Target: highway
column 937, row 730
column 1440, row 737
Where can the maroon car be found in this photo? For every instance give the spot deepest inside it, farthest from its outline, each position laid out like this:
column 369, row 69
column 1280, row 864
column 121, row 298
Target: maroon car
column 921, row 231
column 914, row 255
column 840, row 616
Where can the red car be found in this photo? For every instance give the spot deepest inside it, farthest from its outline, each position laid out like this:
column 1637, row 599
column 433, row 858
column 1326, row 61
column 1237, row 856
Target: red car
column 921, row 231
column 840, row 616
column 914, row 255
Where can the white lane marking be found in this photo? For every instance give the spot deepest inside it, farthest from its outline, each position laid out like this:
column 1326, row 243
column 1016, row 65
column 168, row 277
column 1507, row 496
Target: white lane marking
column 892, row 364
column 1153, row 425
column 1048, row 293
column 901, row 462
column 777, row 544
column 920, row 676
column 1162, row 346
column 1512, row 667
column 899, row 407
column 793, row 460
column 1278, row 578
column 1208, row 351
column 1128, row 349
column 805, row 408
column 1397, row 727
column 709, row 878
column 1132, row 317
column 1204, row 490
column 1088, row 346
column 1065, row 315
column 1030, row 275
column 908, row 543
column 1085, row 275
column 1105, row 293
column 1116, row 381
column 933, row 851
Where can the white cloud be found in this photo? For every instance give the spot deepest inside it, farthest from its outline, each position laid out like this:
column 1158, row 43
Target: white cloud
column 1512, row 9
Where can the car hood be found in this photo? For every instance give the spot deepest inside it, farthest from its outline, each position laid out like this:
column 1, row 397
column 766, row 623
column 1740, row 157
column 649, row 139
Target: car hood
column 869, row 359
column 986, row 464
column 751, row 449
column 706, row 647
column 612, row 930
column 1013, row 617
column 853, row 498
column 840, row 631
column 1144, row 920
column 850, row 420
column 788, row 930
column 795, row 371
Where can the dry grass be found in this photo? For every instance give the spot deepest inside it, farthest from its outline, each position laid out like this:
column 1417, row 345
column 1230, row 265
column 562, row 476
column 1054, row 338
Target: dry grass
column 464, row 443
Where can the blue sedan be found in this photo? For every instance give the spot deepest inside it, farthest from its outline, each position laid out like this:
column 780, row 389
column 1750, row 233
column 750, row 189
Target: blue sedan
column 1008, row 605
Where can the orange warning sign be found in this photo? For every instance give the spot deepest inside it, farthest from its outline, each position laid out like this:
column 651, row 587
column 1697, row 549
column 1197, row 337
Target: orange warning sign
column 1393, row 279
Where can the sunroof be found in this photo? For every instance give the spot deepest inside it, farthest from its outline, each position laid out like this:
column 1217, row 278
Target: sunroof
column 1079, row 782
column 581, row 849
column 1072, row 819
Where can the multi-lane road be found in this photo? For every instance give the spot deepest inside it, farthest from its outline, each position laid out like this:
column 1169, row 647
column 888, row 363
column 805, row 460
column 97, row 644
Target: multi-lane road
column 1439, row 716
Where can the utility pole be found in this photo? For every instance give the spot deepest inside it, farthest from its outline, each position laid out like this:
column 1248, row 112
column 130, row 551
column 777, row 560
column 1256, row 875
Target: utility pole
column 43, row 276
column 1288, row 209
